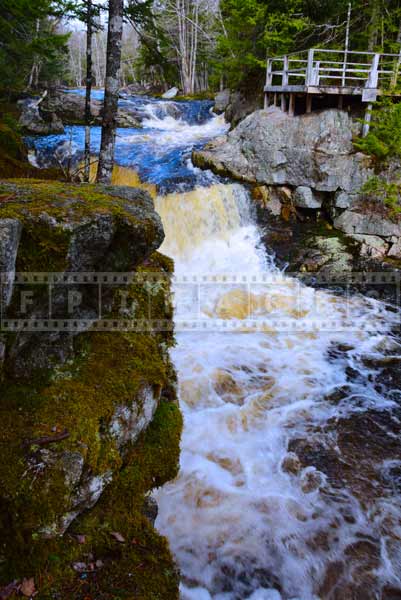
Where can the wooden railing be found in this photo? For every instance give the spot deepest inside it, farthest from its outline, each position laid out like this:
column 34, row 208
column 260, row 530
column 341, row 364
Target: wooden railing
column 334, row 68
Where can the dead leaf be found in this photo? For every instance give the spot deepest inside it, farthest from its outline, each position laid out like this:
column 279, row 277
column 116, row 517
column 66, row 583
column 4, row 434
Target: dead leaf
column 99, row 564
column 81, row 539
column 28, row 587
column 117, row 536
column 79, row 566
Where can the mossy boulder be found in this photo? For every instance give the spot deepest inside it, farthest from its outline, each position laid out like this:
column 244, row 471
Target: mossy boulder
column 13, row 154
column 90, row 422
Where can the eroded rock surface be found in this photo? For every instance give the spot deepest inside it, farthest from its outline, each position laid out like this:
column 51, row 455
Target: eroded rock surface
column 271, row 148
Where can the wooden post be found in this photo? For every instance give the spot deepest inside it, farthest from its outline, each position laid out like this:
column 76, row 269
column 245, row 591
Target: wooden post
column 374, row 75
column 368, row 118
column 284, row 80
column 283, row 102
column 308, row 103
column 275, row 98
column 340, row 101
column 291, row 105
column 269, row 75
column 346, row 45
column 309, row 70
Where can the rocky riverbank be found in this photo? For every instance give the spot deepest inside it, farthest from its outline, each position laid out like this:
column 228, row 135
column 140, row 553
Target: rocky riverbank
column 48, row 115
column 306, row 170
column 90, row 422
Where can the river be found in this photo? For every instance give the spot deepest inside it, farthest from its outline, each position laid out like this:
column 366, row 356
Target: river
column 290, row 478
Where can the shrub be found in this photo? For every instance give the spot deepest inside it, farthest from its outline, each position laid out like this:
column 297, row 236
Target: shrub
column 384, row 138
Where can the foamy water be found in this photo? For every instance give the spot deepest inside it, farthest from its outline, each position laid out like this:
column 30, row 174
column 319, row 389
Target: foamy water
column 239, row 524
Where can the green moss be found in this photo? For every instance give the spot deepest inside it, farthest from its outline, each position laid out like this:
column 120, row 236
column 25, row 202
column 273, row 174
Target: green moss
column 13, row 155
column 106, row 371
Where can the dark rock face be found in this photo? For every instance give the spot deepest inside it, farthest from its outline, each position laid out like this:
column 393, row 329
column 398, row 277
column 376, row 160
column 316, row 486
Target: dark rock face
column 240, row 106
column 10, row 234
column 221, row 101
column 90, row 422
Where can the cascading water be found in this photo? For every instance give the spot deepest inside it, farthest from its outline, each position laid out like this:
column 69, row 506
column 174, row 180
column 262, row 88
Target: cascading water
column 270, row 501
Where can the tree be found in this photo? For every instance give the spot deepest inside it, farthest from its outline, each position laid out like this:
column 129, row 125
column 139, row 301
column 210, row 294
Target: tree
column 113, row 61
column 89, row 31
column 32, row 52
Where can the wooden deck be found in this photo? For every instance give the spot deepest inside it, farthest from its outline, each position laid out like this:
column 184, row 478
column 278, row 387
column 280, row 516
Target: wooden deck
column 322, row 72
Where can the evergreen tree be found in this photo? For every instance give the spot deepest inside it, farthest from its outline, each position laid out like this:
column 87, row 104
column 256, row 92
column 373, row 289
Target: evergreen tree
column 32, row 52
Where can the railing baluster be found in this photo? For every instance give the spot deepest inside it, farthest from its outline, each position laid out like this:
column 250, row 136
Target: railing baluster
column 374, row 75
column 285, row 72
column 309, row 71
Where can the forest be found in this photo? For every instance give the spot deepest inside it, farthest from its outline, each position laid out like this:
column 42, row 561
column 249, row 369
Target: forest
column 196, row 45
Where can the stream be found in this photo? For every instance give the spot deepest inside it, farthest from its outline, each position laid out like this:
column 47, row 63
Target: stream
column 290, row 475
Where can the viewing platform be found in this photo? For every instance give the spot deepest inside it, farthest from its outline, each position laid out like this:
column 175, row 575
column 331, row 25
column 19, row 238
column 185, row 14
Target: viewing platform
column 342, row 75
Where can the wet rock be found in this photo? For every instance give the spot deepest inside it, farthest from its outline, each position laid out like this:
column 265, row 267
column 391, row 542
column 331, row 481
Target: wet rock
column 311, row 480
column 391, row 593
column 221, row 101
column 291, row 464
column 10, row 235
column 271, row 148
column 304, row 197
column 150, row 509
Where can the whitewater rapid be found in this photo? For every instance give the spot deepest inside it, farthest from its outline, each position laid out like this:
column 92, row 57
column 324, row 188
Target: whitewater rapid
column 266, row 366
column 239, row 524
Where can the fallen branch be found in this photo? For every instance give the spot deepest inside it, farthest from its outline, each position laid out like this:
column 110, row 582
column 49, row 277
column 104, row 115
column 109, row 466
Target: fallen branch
column 48, row 439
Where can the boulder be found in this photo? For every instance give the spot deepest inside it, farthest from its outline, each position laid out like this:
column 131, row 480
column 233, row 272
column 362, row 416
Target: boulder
column 240, row 106
column 90, row 421
column 344, row 200
column 70, row 109
column 372, row 246
column 269, row 147
column 171, row 93
column 367, row 223
column 221, row 101
column 304, row 197
column 32, row 120
column 10, row 234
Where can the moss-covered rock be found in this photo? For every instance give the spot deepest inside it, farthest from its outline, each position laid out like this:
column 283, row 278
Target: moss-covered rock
column 90, row 422
column 13, row 154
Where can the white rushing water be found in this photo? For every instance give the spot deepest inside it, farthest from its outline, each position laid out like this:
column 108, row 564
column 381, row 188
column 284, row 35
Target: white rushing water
column 238, row 523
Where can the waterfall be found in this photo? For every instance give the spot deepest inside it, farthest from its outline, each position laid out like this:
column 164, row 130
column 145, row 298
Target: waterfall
column 240, row 524
column 274, row 377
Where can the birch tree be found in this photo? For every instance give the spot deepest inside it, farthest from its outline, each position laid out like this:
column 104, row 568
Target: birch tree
column 89, row 31
column 113, row 63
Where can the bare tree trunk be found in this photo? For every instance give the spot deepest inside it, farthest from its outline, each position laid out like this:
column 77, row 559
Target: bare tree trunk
column 88, row 90
column 114, row 37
